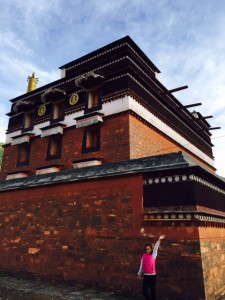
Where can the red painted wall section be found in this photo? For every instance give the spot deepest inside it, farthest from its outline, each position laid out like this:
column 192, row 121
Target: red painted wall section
column 114, row 147
column 89, row 233
column 122, row 137
column 72, row 232
column 145, row 141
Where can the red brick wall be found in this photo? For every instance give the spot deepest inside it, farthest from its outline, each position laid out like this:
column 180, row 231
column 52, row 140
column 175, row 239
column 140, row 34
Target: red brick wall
column 123, row 137
column 9, row 160
column 76, row 232
column 89, row 232
column 114, row 147
column 145, row 141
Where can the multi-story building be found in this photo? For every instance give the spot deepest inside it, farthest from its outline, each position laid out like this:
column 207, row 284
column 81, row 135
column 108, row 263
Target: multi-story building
column 95, row 156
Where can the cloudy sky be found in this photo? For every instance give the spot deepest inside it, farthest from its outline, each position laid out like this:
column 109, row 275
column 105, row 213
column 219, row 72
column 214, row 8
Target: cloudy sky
column 184, row 39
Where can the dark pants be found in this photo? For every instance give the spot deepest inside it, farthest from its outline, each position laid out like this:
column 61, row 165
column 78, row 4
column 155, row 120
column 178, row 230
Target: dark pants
column 149, row 285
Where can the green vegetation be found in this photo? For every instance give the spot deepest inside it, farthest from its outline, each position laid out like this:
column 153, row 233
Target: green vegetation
column 1, row 153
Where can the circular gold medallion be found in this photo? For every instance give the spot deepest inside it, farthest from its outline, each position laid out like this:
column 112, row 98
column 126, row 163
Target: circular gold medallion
column 73, row 99
column 41, row 110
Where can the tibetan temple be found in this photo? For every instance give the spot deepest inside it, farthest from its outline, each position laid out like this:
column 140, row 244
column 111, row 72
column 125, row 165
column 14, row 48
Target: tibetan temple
column 98, row 156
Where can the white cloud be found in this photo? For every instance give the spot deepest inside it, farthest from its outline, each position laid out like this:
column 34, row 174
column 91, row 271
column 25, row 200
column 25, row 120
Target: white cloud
column 10, row 41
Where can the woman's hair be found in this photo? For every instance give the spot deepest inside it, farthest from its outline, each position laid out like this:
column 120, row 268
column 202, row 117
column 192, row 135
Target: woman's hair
column 150, row 246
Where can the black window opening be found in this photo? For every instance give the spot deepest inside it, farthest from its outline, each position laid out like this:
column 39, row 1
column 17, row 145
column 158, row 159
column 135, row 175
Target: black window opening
column 93, row 100
column 23, row 154
column 28, row 121
column 54, row 147
column 58, row 111
column 91, row 139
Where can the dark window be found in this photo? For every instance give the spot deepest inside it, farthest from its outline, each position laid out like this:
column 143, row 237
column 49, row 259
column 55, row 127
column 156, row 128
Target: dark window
column 54, row 147
column 28, row 121
column 23, row 154
column 93, row 101
column 58, row 110
column 91, row 139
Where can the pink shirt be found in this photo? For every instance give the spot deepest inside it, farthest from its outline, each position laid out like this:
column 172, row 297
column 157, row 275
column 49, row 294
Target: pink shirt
column 148, row 262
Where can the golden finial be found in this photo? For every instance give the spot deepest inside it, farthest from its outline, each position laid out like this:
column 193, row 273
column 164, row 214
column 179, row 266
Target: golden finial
column 32, row 83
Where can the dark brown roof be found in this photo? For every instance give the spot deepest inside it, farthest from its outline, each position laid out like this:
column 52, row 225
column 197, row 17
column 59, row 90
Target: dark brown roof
column 160, row 163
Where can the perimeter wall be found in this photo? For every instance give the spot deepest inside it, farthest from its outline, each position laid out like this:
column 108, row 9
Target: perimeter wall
column 89, row 233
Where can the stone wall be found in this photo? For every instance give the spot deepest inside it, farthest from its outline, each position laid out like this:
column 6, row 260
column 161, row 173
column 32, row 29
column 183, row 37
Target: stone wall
column 213, row 261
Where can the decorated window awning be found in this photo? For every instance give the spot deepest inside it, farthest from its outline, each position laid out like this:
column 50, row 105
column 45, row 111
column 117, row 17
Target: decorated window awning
column 52, row 94
column 23, row 138
column 52, row 129
column 48, row 169
column 16, row 175
column 89, row 80
column 89, row 119
column 87, row 163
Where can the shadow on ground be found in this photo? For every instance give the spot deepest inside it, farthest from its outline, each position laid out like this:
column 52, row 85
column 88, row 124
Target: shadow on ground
column 23, row 289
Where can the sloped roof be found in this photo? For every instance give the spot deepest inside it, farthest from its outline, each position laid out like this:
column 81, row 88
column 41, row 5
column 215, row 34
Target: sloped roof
column 109, row 47
column 172, row 161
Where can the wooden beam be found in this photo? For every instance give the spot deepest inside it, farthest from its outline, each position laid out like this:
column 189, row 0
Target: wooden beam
column 174, row 90
column 191, row 105
column 213, row 128
column 207, row 117
column 178, row 89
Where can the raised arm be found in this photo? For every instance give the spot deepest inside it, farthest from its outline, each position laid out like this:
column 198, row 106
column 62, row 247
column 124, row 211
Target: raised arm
column 161, row 237
column 155, row 250
column 140, row 268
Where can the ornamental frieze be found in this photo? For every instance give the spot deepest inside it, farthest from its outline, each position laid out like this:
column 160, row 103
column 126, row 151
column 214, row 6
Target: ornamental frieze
column 183, row 178
column 177, row 218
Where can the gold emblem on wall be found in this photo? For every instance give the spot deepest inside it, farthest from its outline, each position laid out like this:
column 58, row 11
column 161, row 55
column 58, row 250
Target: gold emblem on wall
column 41, row 110
column 73, row 99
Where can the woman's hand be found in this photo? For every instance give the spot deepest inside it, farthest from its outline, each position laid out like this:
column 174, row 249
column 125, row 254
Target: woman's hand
column 162, row 237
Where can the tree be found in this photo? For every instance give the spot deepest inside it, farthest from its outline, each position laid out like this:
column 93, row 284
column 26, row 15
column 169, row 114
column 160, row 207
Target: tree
column 1, row 153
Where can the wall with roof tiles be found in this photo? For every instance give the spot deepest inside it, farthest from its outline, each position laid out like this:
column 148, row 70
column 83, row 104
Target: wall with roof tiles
column 89, row 233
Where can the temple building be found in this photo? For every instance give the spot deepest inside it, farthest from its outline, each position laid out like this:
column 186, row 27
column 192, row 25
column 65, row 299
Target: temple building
column 98, row 155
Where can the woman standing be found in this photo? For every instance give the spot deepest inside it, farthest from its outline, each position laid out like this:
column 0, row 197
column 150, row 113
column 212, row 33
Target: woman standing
column 148, row 268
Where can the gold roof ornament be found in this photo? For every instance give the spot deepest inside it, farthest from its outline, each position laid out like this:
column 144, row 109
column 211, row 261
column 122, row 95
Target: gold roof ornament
column 32, row 83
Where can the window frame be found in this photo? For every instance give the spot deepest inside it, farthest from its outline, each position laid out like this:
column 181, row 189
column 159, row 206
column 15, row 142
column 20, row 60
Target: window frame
column 96, row 146
column 61, row 115
column 26, row 161
column 57, row 138
column 31, row 116
column 90, row 107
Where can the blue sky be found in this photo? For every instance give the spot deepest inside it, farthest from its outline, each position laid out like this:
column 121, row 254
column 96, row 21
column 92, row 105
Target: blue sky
column 184, row 39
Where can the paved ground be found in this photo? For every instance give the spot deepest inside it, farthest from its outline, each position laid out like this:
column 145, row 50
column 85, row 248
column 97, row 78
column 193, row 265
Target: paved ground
column 21, row 289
